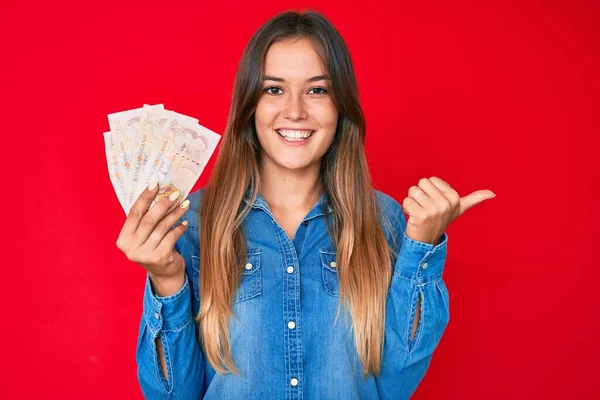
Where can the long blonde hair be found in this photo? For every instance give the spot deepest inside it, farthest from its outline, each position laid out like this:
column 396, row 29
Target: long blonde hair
column 363, row 254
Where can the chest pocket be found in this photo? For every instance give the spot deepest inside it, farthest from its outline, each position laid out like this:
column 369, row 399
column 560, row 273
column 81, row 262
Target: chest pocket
column 251, row 284
column 329, row 272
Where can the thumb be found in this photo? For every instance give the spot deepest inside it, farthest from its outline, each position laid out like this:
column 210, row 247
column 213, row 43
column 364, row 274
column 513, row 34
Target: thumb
column 474, row 198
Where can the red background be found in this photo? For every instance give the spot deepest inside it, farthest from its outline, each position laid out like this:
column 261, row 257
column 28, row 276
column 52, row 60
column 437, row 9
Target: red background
column 486, row 95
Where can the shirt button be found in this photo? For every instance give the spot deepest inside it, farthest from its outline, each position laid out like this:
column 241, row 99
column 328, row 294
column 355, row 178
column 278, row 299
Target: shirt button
column 333, row 264
column 156, row 315
column 294, row 382
column 290, row 269
column 249, row 266
column 425, row 265
column 291, row 324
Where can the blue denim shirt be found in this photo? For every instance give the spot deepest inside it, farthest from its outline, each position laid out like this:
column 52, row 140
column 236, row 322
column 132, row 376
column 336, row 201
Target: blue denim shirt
column 283, row 340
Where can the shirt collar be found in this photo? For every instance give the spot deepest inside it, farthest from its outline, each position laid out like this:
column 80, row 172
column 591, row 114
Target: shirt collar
column 260, row 203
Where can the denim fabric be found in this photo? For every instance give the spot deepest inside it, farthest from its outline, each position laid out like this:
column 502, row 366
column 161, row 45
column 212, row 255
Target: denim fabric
column 283, row 337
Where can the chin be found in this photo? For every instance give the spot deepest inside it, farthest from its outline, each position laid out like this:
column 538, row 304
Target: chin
column 295, row 165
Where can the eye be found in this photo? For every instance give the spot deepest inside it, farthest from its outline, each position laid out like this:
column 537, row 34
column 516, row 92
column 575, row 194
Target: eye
column 272, row 87
column 319, row 88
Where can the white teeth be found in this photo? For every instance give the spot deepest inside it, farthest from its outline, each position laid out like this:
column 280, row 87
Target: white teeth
column 295, row 134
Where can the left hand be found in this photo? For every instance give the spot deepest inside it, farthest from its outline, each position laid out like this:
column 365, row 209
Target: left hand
column 433, row 205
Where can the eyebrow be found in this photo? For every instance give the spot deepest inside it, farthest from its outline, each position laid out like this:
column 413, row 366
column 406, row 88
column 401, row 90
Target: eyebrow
column 313, row 79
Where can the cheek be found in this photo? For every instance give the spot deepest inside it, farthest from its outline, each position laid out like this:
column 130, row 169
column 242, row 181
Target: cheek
column 326, row 114
column 265, row 112
column 328, row 141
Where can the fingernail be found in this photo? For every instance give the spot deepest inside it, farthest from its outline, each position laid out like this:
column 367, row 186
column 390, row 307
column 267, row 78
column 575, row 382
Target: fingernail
column 184, row 223
column 174, row 195
column 152, row 186
column 185, row 204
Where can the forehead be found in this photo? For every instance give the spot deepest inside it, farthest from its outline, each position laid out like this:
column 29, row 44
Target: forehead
column 293, row 58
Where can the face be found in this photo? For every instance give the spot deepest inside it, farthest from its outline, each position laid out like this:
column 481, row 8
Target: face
column 295, row 102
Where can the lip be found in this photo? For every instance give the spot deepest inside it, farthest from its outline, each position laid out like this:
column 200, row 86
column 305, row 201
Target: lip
column 295, row 129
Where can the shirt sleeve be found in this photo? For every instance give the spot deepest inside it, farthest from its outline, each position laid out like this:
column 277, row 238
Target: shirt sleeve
column 171, row 319
column 417, row 273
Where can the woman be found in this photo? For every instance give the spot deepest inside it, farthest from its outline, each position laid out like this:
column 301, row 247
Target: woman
column 292, row 233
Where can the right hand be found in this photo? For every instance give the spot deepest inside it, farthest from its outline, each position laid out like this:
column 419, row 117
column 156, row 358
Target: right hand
column 146, row 239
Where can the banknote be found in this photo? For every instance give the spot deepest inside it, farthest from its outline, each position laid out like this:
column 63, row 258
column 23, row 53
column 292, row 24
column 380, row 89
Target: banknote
column 152, row 144
column 114, row 171
column 152, row 119
column 161, row 143
column 124, row 126
column 190, row 150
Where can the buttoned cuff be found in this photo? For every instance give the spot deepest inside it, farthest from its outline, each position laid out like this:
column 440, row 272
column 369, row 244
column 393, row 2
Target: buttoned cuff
column 170, row 313
column 421, row 262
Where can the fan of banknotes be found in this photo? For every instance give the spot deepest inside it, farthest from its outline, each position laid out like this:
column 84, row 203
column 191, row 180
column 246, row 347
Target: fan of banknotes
column 151, row 144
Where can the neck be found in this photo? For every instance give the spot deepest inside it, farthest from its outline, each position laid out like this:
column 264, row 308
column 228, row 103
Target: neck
column 290, row 190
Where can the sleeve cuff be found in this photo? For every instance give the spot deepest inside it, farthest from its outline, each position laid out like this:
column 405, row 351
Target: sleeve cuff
column 170, row 313
column 421, row 262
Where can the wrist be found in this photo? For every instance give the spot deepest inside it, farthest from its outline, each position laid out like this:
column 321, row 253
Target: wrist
column 167, row 286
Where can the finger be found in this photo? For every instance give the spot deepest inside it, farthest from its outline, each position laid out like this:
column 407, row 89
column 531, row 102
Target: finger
column 475, row 198
column 168, row 243
column 448, row 192
column 138, row 210
column 177, row 202
column 154, row 216
column 412, row 208
column 163, row 227
column 441, row 184
column 420, row 197
column 440, row 200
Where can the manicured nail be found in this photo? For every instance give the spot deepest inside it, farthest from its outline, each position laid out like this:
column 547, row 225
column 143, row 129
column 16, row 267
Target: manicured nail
column 152, row 186
column 185, row 204
column 174, row 195
column 184, row 223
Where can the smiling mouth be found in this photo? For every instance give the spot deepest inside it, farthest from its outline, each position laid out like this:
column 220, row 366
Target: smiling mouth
column 294, row 137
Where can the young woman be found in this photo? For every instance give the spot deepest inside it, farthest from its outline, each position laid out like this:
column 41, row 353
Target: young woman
column 247, row 277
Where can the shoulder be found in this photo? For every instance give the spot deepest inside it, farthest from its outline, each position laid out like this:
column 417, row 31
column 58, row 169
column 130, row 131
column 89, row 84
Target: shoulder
column 191, row 215
column 391, row 217
column 188, row 243
column 389, row 206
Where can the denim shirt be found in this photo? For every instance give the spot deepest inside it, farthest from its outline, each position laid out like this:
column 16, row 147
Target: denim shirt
column 283, row 338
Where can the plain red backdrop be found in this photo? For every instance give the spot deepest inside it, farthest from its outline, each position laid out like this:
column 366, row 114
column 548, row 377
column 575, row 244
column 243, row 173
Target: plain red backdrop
column 486, row 95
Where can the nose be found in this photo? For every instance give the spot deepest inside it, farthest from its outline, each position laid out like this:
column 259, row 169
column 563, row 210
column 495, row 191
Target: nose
column 294, row 108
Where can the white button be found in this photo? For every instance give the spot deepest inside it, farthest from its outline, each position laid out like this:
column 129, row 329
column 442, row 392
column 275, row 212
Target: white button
column 425, row 265
column 294, row 382
column 291, row 324
column 333, row 264
column 290, row 269
column 248, row 266
column 156, row 315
